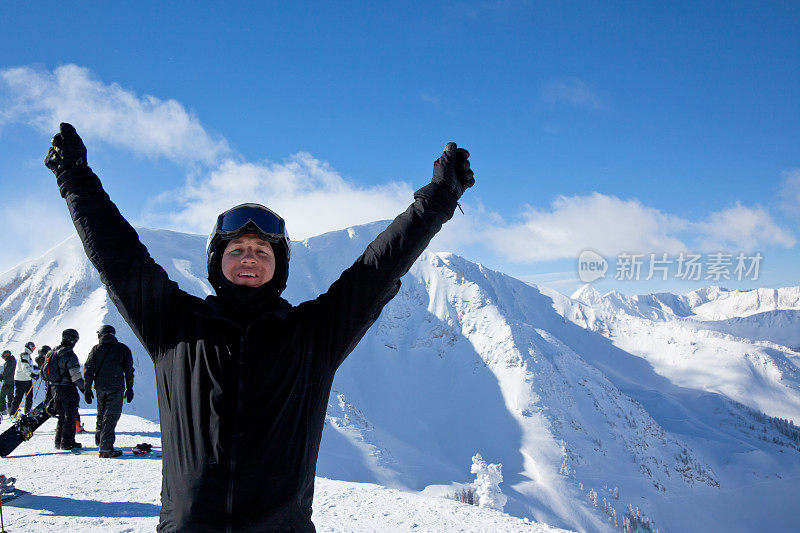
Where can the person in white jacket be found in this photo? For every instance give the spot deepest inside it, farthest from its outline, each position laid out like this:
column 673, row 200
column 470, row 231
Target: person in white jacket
column 26, row 373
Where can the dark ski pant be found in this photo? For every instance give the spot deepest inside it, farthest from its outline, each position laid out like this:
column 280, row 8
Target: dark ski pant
column 20, row 388
column 6, row 396
column 49, row 401
column 109, row 409
column 48, row 393
column 66, row 402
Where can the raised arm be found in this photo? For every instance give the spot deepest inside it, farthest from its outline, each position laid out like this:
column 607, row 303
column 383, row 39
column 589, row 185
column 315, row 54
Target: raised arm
column 354, row 301
column 138, row 286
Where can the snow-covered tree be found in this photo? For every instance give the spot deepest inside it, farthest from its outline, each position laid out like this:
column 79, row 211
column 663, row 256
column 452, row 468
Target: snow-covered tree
column 593, row 497
column 487, row 483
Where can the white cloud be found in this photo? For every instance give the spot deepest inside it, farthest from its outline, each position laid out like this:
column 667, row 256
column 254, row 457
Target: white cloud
column 742, row 228
column 605, row 223
column 611, row 225
column 108, row 113
column 311, row 196
column 571, row 91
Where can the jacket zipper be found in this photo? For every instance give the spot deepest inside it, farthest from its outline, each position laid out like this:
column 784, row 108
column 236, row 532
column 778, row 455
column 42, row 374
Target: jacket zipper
column 234, row 433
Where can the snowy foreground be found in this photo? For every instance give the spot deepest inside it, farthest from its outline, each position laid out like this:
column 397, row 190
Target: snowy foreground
column 84, row 493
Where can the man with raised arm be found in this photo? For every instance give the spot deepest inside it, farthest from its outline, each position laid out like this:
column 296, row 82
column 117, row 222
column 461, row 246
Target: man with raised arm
column 243, row 377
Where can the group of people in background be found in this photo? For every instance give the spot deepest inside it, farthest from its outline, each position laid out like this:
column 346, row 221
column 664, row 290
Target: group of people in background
column 109, row 368
column 18, row 380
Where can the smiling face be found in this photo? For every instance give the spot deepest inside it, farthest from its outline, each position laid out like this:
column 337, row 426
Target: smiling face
column 248, row 261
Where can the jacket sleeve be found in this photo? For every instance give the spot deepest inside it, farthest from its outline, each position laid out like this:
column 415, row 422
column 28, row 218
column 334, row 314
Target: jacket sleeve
column 354, row 301
column 73, row 367
column 140, row 288
column 88, row 367
column 127, row 368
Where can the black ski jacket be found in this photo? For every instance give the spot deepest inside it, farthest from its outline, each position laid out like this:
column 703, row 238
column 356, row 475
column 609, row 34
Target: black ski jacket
column 242, row 402
column 109, row 366
column 9, row 367
column 69, row 368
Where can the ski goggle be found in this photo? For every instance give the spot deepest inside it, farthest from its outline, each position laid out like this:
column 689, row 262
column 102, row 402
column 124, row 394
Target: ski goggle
column 249, row 218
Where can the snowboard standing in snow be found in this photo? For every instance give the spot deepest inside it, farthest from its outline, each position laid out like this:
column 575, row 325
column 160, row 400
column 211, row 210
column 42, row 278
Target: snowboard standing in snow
column 22, row 429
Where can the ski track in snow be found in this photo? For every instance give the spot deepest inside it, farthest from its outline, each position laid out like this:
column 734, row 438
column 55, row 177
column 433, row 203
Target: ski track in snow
column 71, row 492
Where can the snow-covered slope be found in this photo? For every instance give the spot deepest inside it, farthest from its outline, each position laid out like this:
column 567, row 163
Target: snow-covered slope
column 697, row 341
column 83, row 493
column 593, row 404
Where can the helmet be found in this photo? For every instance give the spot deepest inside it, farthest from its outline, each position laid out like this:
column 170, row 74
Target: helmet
column 44, row 349
column 6, row 353
column 106, row 330
column 249, row 218
column 30, row 346
column 69, row 336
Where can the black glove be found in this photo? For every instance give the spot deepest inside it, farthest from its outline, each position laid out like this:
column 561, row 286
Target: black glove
column 88, row 395
column 129, row 395
column 50, row 407
column 453, row 170
column 67, row 152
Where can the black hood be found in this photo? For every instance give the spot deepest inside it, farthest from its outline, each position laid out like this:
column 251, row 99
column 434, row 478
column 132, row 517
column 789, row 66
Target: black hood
column 227, row 290
column 108, row 337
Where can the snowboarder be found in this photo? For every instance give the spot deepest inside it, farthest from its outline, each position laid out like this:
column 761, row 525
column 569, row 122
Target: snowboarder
column 7, row 389
column 110, row 368
column 27, row 372
column 66, row 384
column 40, row 360
column 243, row 377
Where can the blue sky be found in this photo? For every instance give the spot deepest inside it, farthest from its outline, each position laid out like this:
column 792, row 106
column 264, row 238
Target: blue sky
column 649, row 127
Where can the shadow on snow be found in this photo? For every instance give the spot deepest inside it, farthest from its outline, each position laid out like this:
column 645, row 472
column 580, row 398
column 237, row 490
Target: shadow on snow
column 62, row 506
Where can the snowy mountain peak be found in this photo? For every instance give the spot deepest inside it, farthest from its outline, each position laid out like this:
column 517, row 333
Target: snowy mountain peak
column 587, row 294
column 724, row 304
